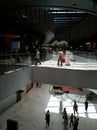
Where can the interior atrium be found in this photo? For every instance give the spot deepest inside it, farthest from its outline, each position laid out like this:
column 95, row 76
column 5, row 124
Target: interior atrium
column 55, row 28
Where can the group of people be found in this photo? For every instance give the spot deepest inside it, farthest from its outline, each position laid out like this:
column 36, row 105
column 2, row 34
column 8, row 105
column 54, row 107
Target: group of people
column 75, row 107
column 73, row 119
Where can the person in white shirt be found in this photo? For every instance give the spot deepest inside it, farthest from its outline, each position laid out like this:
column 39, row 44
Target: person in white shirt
column 37, row 57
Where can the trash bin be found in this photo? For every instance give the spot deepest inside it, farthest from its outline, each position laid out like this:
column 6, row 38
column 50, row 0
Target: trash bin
column 12, row 124
column 19, row 95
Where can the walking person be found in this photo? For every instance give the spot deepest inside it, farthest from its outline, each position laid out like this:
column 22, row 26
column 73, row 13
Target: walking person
column 66, row 121
column 64, row 113
column 65, row 117
column 47, row 118
column 71, row 120
column 75, row 107
column 60, row 53
column 37, row 57
column 74, row 120
column 59, row 60
column 86, row 105
column 75, row 126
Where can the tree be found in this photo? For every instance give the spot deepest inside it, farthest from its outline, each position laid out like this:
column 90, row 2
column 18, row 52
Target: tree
column 62, row 44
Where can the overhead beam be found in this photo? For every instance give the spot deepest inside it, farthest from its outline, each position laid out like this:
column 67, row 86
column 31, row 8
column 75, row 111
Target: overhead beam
column 86, row 5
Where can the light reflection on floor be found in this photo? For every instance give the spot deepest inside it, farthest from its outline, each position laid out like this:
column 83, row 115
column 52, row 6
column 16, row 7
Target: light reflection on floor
column 54, row 107
column 53, row 104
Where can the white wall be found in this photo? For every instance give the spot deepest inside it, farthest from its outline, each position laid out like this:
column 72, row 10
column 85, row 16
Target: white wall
column 10, row 83
column 7, row 102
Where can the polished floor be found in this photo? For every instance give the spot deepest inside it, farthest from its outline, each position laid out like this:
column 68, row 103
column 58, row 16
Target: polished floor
column 79, row 62
column 30, row 111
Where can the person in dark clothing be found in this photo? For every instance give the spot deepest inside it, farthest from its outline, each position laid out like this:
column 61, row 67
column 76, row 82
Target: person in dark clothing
column 86, row 105
column 66, row 121
column 47, row 118
column 64, row 113
column 75, row 107
column 59, row 60
column 65, row 117
column 75, row 126
column 60, row 53
column 71, row 120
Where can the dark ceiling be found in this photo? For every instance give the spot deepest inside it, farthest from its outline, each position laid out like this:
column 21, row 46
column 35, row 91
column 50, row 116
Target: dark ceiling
column 64, row 19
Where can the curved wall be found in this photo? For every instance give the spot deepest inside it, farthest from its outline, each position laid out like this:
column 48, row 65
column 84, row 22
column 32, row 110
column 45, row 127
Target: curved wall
column 87, row 5
column 10, row 83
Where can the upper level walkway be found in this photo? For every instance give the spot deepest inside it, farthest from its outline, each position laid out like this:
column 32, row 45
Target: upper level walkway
column 81, row 73
column 79, row 61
